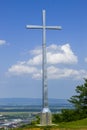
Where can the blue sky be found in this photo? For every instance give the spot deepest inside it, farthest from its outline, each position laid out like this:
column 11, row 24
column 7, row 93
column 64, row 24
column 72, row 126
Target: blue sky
column 20, row 49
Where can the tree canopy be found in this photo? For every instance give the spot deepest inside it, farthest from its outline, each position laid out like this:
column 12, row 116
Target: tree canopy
column 80, row 100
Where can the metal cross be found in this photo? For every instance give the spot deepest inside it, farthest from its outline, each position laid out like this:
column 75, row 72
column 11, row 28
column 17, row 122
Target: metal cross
column 44, row 62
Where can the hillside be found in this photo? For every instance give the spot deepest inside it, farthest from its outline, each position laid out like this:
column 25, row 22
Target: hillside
column 75, row 125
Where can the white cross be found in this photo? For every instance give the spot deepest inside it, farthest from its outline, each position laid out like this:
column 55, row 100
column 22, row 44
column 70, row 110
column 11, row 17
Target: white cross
column 44, row 68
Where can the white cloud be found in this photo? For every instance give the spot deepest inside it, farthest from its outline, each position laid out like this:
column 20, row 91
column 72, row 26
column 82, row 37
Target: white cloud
column 86, row 59
column 37, row 60
column 2, row 42
column 36, row 51
column 53, row 72
column 37, row 75
column 55, row 55
column 22, row 69
column 57, row 73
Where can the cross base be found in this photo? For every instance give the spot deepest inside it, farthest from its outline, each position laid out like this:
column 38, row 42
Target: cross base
column 46, row 117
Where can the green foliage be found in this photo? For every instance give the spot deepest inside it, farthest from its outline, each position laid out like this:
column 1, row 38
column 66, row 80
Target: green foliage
column 66, row 116
column 80, row 103
column 80, row 100
column 37, row 121
column 69, row 115
column 56, row 118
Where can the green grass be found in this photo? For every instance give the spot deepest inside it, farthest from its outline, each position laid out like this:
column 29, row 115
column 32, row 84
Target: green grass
column 74, row 124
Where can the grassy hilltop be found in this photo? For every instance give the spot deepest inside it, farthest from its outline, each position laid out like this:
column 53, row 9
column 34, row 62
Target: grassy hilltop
column 74, row 125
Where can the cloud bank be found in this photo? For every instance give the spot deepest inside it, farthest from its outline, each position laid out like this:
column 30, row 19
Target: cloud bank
column 2, row 42
column 85, row 59
column 56, row 55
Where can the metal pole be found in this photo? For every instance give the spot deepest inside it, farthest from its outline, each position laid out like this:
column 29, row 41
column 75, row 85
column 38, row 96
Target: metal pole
column 44, row 67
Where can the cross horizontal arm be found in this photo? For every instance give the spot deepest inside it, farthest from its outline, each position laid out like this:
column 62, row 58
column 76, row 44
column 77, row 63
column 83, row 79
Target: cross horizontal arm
column 33, row 27
column 54, row 27
column 41, row 27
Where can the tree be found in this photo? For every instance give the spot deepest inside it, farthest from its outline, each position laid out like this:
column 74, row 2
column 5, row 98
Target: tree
column 80, row 100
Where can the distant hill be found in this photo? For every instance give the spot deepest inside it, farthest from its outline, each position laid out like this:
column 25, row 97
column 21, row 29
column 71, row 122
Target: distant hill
column 30, row 101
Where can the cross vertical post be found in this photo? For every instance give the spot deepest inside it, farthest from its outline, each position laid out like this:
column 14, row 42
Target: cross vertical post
column 44, row 64
column 46, row 113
